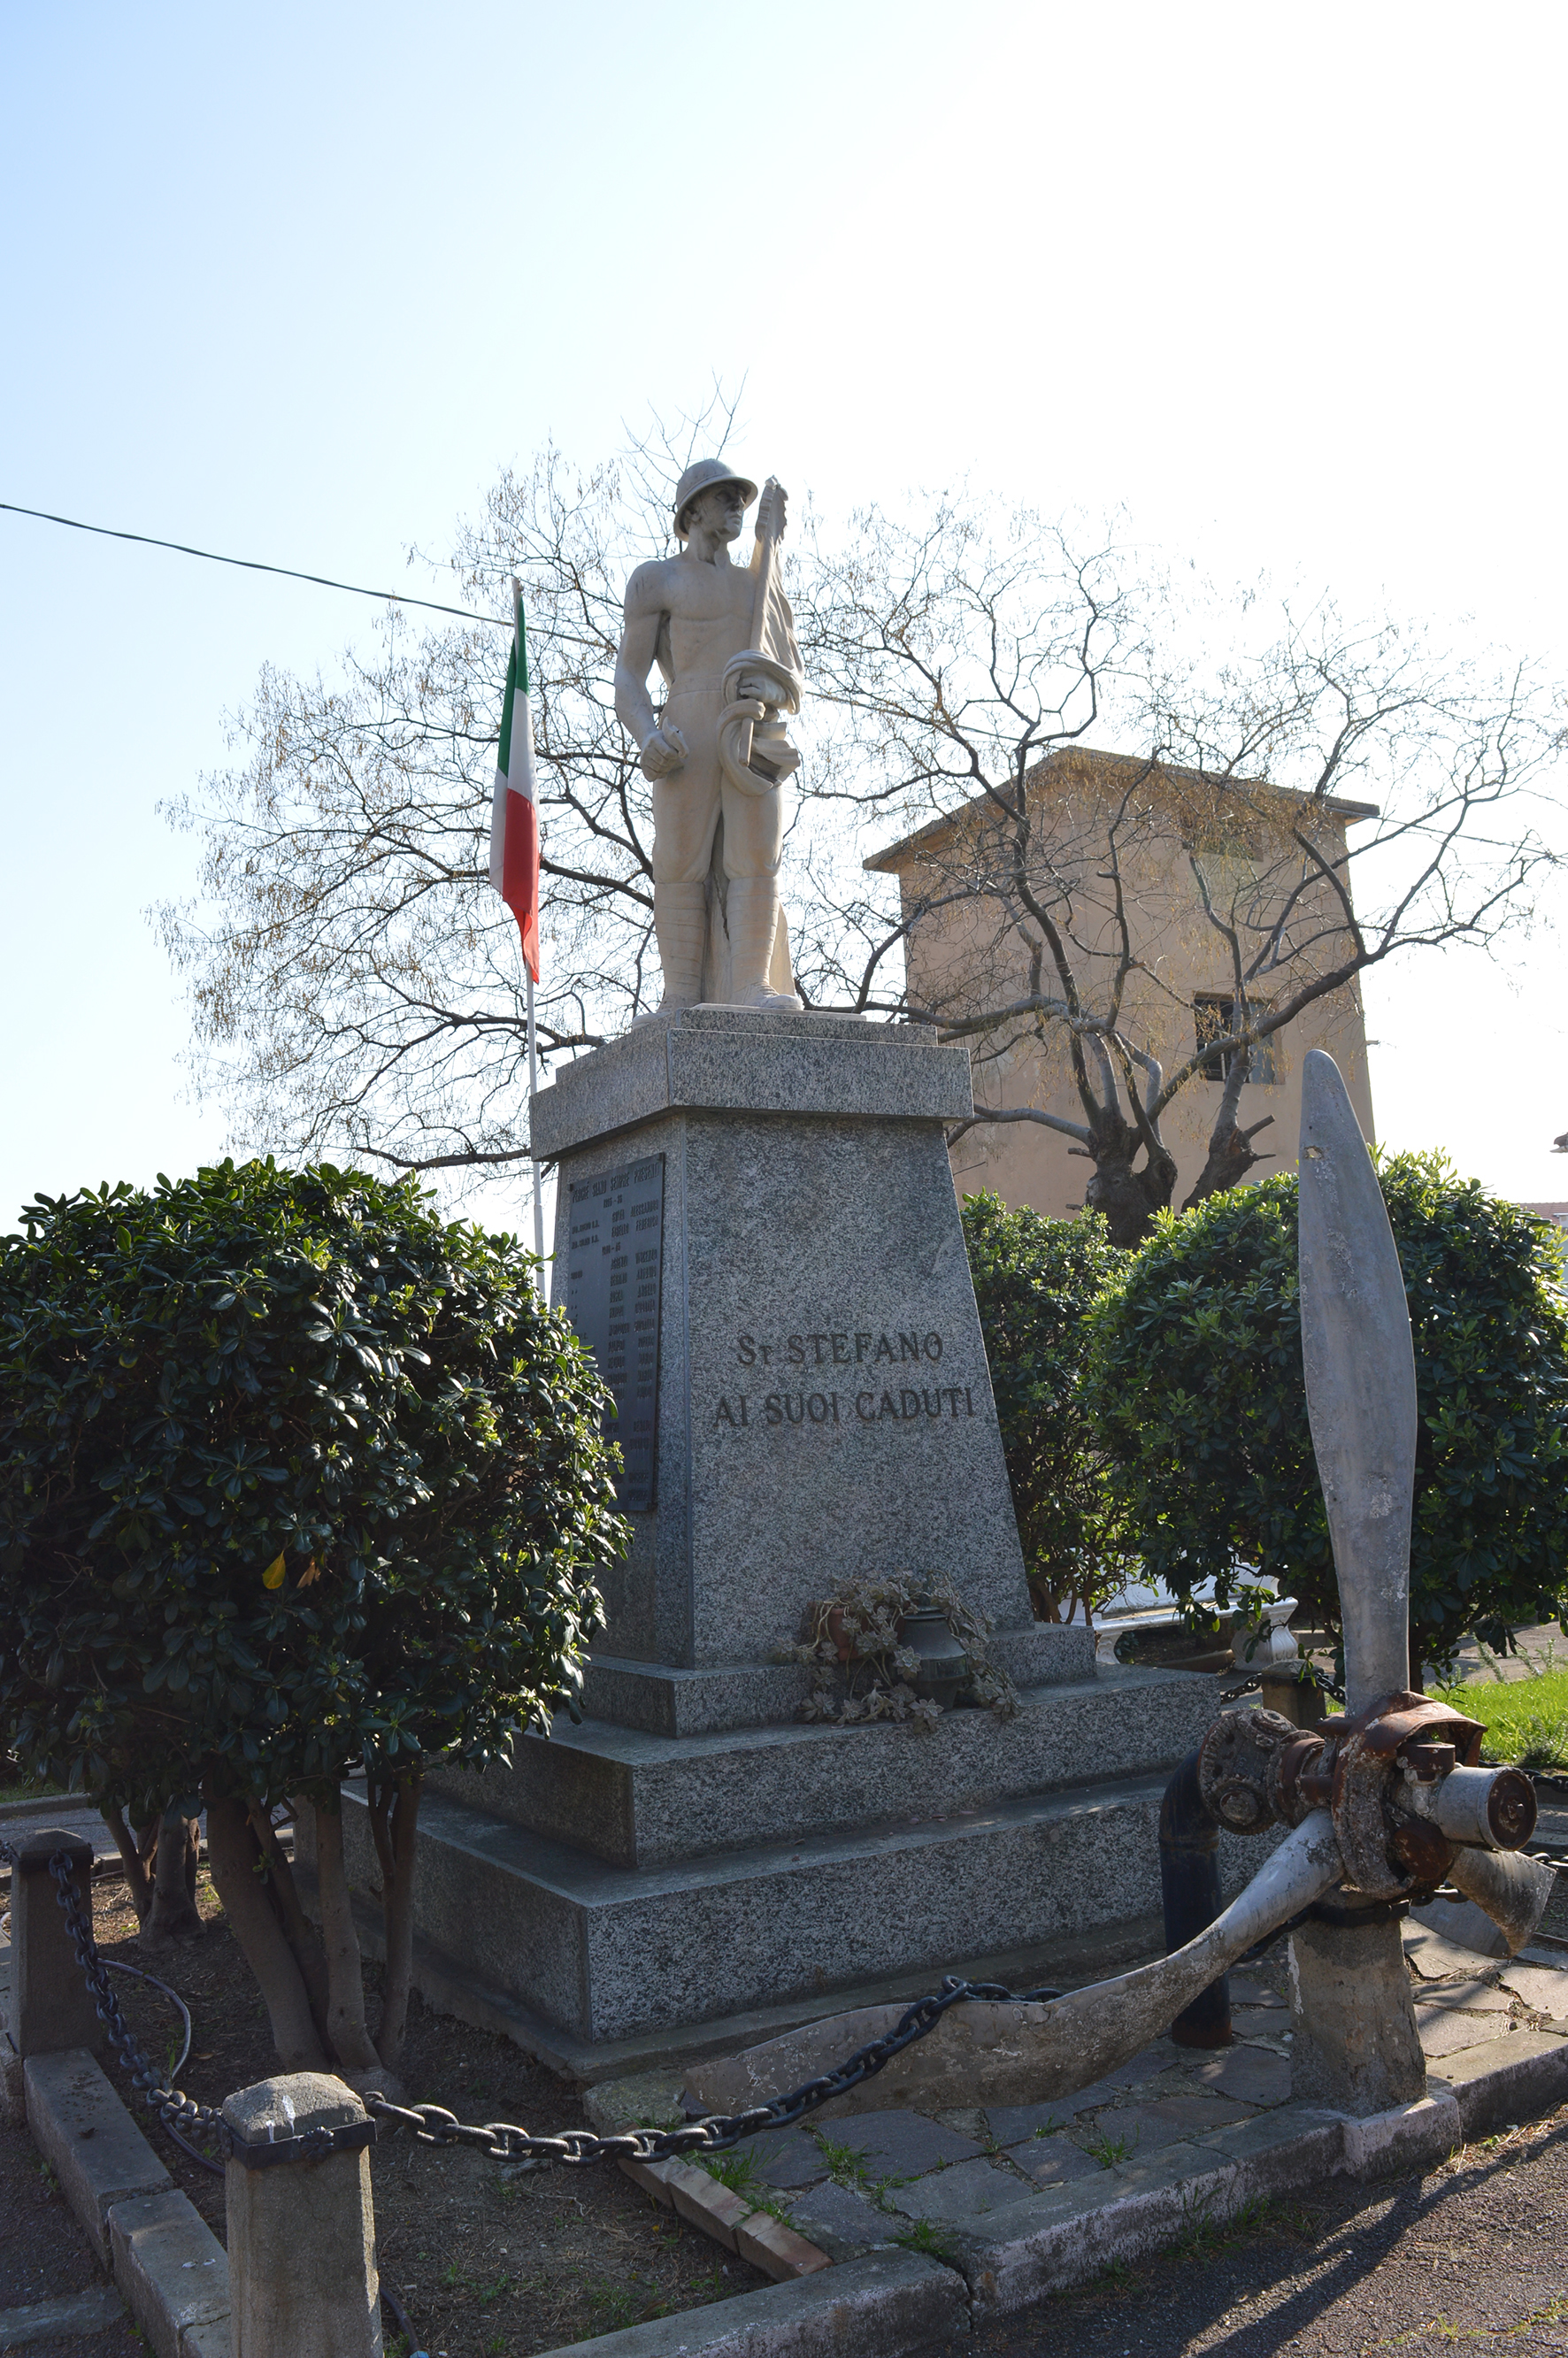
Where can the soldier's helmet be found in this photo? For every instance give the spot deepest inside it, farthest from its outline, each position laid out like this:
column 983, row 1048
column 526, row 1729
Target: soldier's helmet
column 701, row 476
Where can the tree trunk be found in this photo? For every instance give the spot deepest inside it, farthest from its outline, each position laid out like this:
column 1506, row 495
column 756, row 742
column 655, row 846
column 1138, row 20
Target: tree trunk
column 398, row 1916
column 1128, row 1197
column 1231, row 1158
column 298, row 1931
column 234, row 1855
column 174, row 1915
column 345, row 1974
column 130, row 1850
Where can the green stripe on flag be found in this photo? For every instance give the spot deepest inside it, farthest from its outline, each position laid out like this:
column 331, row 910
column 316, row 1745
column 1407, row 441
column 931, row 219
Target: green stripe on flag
column 503, row 752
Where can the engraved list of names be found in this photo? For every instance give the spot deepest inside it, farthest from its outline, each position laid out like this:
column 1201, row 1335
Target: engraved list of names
column 614, row 1251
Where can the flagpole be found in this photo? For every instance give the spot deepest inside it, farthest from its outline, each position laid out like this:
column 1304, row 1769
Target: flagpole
column 532, row 1091
column 533, row 1035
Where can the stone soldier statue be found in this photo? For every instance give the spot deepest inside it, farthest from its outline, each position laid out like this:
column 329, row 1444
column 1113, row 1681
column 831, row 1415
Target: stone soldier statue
column 718, row 754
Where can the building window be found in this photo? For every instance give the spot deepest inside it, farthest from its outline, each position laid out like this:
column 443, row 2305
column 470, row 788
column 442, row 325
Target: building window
column 1214, row 1014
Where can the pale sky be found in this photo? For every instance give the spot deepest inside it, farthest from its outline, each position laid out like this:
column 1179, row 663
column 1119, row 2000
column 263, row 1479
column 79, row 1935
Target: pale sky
column 297, row 283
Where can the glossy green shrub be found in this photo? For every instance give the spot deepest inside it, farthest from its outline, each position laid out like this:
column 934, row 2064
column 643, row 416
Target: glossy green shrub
column 1196, row 1379
column 1035, row 1282
column 295, row 1476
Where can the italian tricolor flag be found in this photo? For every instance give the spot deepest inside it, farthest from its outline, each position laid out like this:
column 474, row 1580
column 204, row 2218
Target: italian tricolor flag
column 515, row 814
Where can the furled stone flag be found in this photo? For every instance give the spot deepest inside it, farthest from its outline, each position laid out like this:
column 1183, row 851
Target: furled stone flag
column 515, row 814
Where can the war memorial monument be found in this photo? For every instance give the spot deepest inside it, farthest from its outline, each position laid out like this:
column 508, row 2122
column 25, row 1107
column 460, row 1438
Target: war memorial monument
column 757, row 1233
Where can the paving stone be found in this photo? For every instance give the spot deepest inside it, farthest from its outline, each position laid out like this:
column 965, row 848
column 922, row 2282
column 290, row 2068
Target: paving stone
column 1445, row 2030
column 1053, row 2161
column 840, row 2223
column 1147, row 2064
column 1247, row 1990
column 1477, row 1996
column 1252, row 2075
column 1265, row 2021
column 1168, row 2166
column 967, row 2192
column 1113, row 2089
column 1437, row 1959
column 900, row 2144
column 1140, row 2128
column 1010, row 2123
column 786, row 2157
column 1541, row 1988
column 1167, row 2118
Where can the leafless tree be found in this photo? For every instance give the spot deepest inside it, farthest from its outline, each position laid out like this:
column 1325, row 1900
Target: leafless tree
column 1055, row 900
column 356, row 985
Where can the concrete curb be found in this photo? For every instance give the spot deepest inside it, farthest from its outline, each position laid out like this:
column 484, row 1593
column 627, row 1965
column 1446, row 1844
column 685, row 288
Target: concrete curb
column 171, row 2269
column 884, row 2306
column 173, row 2274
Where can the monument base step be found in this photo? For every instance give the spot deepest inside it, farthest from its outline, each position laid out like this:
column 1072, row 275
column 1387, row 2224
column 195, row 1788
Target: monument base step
column 605, row 1955
column 636, row 1799
column 727, row 1695
column 1067, row 1962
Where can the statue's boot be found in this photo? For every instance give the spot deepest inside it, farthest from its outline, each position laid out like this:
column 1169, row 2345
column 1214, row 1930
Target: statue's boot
column 680, row 924
column 753, row 912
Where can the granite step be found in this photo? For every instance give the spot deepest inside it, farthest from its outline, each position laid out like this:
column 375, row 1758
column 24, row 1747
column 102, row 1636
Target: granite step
column 668, row 1702
column 608, row 1952
column 633, row 1800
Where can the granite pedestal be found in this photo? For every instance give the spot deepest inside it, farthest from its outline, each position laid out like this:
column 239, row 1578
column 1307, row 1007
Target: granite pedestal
column 788, row 1226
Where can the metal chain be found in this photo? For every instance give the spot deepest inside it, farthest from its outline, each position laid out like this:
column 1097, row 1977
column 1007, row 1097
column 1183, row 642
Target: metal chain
column 577, row 2149
column 1324, row 1684
column 175, row 2110
column 433, row 2125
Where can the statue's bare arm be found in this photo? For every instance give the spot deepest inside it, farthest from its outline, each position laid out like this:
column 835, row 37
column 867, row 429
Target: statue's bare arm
column 662, row 750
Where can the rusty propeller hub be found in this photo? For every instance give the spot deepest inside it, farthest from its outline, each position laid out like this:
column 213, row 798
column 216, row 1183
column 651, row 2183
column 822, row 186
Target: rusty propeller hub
column 1401, row 1778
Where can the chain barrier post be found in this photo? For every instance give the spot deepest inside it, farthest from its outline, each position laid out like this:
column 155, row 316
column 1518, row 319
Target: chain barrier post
column 302, row 2271
column 51, row 2005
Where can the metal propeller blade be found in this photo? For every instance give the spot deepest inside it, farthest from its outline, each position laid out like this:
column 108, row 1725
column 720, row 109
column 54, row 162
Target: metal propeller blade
column 1360, row 1382
column 1514, row 1890
column 1359, row 1362
column 983, row 2051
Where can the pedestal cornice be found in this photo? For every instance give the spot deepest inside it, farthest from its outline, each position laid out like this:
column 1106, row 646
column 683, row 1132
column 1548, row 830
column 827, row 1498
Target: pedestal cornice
column 744, row 1060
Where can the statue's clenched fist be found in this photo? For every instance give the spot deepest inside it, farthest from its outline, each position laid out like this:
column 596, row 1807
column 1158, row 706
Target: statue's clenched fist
column 662, row 750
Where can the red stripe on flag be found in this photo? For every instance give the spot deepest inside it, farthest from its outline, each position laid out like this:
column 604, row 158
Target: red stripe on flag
column 520, row 874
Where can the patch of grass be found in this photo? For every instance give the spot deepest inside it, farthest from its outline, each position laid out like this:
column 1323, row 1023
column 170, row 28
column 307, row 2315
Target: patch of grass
column 738, row 2171
column 1201, row 2237
column 1526, row 1719
column 847, row 2164
column 924, row 2235
column 615, row 2305
column 1051, row 2128
column 1106, row 2150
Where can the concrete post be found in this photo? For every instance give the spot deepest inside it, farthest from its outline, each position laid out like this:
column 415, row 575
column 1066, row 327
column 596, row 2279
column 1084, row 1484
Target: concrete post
column 302, row 2270
column 1356, row 2046
column 51, row 2006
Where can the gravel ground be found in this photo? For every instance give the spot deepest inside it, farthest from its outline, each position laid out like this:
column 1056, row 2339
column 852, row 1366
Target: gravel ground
column 43, row 2253
column 485, row 2260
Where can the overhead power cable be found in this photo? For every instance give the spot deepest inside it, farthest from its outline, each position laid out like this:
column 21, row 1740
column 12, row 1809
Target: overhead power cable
column 254, row 564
